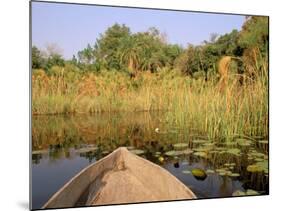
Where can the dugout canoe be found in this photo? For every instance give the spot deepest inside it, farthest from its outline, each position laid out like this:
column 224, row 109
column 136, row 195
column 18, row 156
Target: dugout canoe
column 120, row 177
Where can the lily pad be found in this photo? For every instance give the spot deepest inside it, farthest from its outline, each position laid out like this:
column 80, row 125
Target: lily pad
column 257, row 154
column 36, row 152
column 186, row 172
column 244, row 142
column 199, row 173
column 259, row 159
column 209, row 144
column 263, row 141
column 230, row 143
column 214, row 152
column 251, row 192
column 258, row 137
column 87, row 149
column 263, row 165
column 174, row 153
column 221, row 170
column 130, row 147
column 173, row 131
column 223, row 173
column 187, row 151
column 180, row 145
column 201, row 154
column 210, row 171
column 254, row 168
column 234, row 151
column 234, row 175
column 238, row 193
column 137, row 151
column 199, row 141
column 105, row 152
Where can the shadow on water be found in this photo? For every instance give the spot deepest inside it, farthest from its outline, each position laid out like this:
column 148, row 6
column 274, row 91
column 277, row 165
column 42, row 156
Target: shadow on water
column 64, row 145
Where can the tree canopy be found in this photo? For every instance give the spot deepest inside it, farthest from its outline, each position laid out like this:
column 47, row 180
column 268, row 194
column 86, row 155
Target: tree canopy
column 121, row 50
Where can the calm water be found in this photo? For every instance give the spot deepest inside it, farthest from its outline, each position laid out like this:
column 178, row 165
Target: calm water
column 64, row 145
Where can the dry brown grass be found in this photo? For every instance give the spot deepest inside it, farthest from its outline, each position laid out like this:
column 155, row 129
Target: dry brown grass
column 223, row 68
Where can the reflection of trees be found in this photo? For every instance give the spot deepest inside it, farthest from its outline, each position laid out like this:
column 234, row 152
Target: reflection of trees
column 88, row 155
column 62, row 134
column 36, row 158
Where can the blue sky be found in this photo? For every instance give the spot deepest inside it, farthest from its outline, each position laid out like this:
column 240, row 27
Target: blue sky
column 72, row 27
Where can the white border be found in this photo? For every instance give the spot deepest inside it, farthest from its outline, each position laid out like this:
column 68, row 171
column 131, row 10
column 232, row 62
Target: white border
column 14, row 86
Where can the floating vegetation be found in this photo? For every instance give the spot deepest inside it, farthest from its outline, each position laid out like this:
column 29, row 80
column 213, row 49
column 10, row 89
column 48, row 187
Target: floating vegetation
column 105, row 152
column 173, row 131
column 244, row 142
column 209, row 144
column 258, row 137
column 258, row 167
column 157, row 154
column 187, row 151
column 214, row 151
column 199, row 174
column 221, row 149
column 234, row 151
column 220, row 170
column 258, row 159
column 37, row 152
column 230, row 143
column 130, row 147
column 238, row 193
column 199, row 141
column 200, row 154
column 174, row 153
column 210, row 171
column 184, row 163
column 263, row 141
column 223, row 173
column 137, row 151
column 180, row 145
column 86, row 149
column 186, row 172
column 248, row 192
column 161, row 159
column 234, row 175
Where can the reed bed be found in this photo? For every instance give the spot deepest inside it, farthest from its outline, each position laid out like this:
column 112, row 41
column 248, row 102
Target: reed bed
column 189, row 103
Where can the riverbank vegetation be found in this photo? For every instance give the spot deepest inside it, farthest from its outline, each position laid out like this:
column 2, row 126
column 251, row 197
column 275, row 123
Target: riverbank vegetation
column 220, row 87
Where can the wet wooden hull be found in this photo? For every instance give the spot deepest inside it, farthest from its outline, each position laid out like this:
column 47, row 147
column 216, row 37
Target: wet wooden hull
column 120, row 177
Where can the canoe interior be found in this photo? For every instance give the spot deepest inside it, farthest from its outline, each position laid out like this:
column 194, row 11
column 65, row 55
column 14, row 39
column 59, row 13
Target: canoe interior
column 120, row 177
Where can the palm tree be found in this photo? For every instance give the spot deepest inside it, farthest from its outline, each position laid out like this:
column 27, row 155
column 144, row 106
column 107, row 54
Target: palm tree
column 129, row 53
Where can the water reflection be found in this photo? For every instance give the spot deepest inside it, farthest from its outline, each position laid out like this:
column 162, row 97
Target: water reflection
column 64, row 145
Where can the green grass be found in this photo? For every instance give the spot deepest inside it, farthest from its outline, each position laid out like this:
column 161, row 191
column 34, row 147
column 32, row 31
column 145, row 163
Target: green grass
column 190, row 103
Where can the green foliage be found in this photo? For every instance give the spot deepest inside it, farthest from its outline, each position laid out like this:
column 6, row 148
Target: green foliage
column 107, row 46
column 255, row 33
column 38, row 60
column 55, row 60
